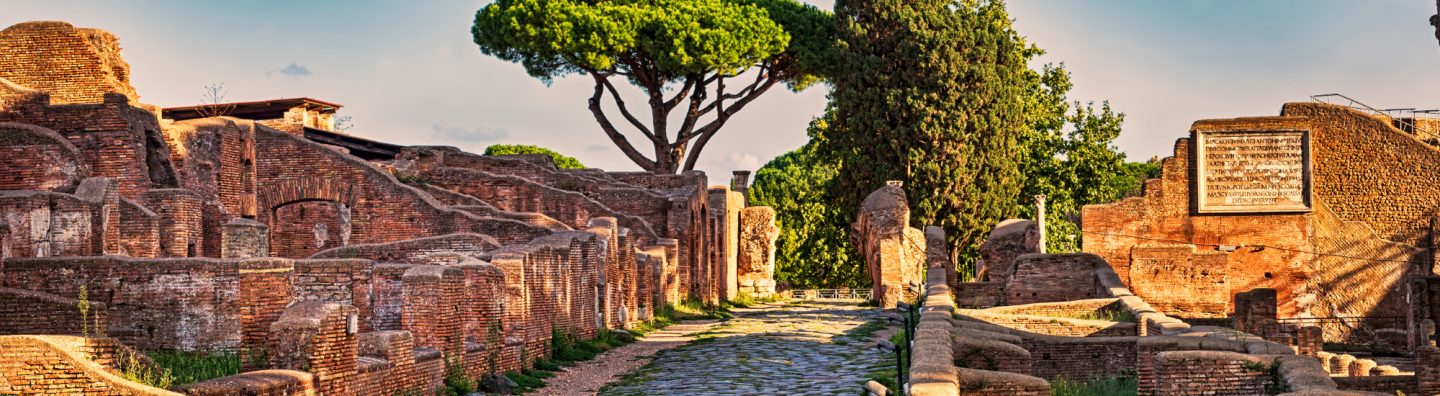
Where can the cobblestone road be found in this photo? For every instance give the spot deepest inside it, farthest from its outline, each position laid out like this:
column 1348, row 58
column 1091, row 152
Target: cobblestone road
column 811, row 348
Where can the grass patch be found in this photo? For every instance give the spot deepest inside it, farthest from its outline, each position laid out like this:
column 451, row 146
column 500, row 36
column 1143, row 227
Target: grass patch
column 1110, row 315
column 525, row 383
column 693, row 309
column 747, row 300
column 192, row 367
column 868, row 329
column 1095, row 387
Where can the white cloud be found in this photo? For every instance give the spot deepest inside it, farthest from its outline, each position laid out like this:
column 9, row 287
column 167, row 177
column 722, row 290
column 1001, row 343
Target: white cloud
column 451, row 134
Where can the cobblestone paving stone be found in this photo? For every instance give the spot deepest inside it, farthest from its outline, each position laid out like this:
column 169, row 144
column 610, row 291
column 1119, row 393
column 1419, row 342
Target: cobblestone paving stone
column 809, row 348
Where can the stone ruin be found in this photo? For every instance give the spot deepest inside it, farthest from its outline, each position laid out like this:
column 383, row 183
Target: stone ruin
column 350, row 265
column 1275, row 255
column 894, row 252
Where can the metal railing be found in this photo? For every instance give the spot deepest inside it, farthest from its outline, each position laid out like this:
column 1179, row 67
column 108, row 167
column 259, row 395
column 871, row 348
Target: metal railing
column 1375, row 334
column 831, row 294
column 1423, row 124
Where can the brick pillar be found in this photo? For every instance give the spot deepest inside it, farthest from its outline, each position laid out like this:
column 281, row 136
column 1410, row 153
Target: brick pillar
column 1310, row 341
column 1255, row 312
column 1427, row 334
column 265, row 291
column 516, row 307
column 181, row 221
column 740, row 182
column 398, row 348
column 674, row 278
column 1145, row 367
column 431, row 310
column 317, row 337
column 1427, row 370
column 937, row 254
column 103, row 195
column 244, row 238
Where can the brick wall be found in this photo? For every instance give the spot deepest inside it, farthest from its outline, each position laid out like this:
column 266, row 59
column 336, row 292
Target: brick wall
column 186, row 304
column 139, row 230
column 31, row 312
column 1052, row 277
column 1387, row 384
column 1055, row 326
column 431, row 307
column 180, row 221
column 389, row 211
column 266, row 288
column 1212, row 373
column 244, row 238
column 1079, row 359
column 38, row 159
column 46, row 224
column 419, row 250
column 344, row 281
column 1009, row 240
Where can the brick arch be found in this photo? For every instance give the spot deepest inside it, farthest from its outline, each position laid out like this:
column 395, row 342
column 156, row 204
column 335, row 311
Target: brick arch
column 285, row 192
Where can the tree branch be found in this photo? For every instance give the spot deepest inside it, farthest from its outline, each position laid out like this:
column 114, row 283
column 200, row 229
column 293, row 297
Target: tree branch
column 675, row 101
column 709, row 130
column 615, row 135
column 624, row 110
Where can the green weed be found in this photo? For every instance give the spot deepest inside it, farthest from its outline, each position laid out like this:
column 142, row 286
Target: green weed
column 1095, row 387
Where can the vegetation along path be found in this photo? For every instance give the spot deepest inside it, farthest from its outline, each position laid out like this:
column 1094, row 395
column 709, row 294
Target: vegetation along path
column 802, row 348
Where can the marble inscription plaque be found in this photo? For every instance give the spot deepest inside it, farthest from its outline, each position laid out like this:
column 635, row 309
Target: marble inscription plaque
column 1248, row 172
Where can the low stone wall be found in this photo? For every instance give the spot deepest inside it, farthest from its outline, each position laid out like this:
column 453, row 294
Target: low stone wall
column 1387, row 384
column 256, row 383
column 980, row 294
column 1080, row 359
column 1048, row 325
column 933, row 370
column 1213, row 373
column 1064, row 309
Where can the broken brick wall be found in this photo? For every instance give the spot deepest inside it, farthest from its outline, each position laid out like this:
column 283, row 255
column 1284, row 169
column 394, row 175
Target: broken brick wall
column 185, row 304
column 75, row 65
column 1349, row 150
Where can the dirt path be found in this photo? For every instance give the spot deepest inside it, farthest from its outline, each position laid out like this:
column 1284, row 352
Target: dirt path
column 586, row 378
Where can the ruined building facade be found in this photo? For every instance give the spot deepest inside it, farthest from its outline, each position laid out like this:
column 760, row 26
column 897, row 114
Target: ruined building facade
column 352, row 264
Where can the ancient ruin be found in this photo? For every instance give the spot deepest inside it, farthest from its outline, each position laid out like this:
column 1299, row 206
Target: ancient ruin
column 1275, row 255
column 1263, row 261
column 344, row 265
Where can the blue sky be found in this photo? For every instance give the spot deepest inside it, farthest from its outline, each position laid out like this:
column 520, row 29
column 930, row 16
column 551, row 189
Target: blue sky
column 408, row 72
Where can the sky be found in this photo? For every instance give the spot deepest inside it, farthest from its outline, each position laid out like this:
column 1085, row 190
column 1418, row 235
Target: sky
column 408, row 73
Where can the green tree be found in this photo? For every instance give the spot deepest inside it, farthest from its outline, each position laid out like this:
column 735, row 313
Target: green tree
column 707, row 59
column 929, row 92
column 813, row 250
column 1068, row 154
column 562, row 161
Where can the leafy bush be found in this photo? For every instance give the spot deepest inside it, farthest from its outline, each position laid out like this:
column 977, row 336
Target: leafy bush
column 562, row 161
